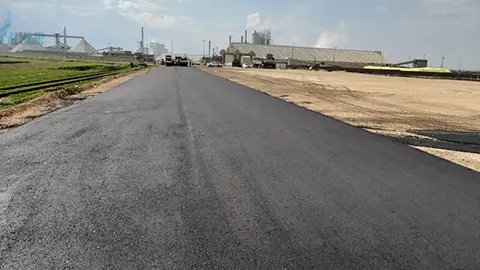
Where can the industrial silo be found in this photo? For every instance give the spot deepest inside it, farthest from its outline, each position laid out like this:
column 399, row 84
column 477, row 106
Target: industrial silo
column 257, row 38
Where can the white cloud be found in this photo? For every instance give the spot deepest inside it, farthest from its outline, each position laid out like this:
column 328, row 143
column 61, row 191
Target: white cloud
column 285, row 30
column 290, row 29
column 256, row 21
column 110, row 4
column 144, row 13
column 336, row 37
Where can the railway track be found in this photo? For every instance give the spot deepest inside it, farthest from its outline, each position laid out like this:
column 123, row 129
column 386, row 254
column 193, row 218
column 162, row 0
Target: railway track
column 52, row 83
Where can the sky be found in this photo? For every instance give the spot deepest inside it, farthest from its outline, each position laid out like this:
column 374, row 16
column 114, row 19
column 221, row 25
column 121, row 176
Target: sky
column 401, row 29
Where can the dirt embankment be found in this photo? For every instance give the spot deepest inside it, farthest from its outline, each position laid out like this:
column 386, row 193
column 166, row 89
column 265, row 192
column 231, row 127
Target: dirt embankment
column 24, row 112
column 441, row 117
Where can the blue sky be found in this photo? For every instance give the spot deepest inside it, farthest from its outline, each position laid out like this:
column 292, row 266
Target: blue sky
column 402, row 29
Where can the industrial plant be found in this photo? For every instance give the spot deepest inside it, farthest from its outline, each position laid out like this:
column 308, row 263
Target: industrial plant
column 258, row 50
column 262, row 51
column 76, row 47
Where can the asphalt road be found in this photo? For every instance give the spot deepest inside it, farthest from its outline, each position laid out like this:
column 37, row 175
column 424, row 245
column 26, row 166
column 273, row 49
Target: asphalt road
column 180, row 169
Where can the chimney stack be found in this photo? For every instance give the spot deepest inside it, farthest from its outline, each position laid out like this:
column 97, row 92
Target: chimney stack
column 142, row 50
column 65, row 37
column 246, row 36
column 209, row 48
column 241, row 39
column 229, row 40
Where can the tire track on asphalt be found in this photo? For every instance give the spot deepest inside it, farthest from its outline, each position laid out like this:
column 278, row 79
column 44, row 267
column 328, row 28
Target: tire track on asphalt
column 211, row 240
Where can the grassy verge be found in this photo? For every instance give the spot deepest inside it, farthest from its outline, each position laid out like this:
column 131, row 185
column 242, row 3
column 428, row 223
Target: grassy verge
column 20, row 71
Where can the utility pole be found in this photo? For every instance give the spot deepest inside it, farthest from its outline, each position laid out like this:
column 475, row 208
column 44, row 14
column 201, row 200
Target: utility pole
column 171, row 47
column 459, row 63
column 203, row 40
column 443, row 58
column 334, row 53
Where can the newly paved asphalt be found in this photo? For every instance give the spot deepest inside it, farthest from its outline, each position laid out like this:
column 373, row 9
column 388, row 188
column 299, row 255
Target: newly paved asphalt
column 180, row 169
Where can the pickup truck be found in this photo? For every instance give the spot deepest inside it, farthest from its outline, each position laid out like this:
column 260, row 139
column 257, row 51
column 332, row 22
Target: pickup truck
column 214, row 64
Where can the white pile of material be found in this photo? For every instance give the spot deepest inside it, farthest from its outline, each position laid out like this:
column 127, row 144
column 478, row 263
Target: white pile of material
column 83, row 47
column 29, row 44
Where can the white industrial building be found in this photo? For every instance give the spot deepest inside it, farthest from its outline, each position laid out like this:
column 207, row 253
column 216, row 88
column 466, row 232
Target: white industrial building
column 303, row 55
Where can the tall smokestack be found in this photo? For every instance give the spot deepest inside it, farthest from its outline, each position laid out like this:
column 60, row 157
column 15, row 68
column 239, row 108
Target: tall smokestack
column 241, row 39
column 142, row 43
column 229, row 40
column 65, row 37
column 209, row 48
column 246, row 36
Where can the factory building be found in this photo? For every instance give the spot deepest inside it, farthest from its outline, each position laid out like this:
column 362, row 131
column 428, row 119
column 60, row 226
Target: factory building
column 301, row 55
column 262, row 37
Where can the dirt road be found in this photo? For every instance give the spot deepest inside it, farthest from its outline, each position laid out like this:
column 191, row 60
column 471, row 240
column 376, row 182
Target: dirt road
column 403, row 108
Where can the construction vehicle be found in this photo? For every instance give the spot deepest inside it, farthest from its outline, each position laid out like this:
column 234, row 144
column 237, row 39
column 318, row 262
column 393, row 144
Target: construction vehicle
column 181, row 61
column 178, row 60
column 168, row 60
column 184, row 61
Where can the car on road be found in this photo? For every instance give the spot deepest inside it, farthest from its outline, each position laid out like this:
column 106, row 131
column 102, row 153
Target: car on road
column 214, row 64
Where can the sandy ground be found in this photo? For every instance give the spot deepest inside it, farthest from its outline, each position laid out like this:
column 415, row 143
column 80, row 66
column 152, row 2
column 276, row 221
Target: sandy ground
column 22, row 113
column 393, row 106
